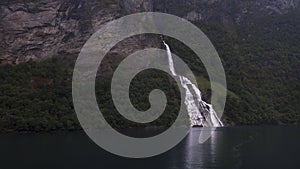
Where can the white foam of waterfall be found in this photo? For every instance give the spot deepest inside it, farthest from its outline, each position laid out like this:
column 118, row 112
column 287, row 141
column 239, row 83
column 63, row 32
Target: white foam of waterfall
column 200, row 112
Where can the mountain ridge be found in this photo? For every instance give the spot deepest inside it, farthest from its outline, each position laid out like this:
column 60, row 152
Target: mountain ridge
column 34, row 30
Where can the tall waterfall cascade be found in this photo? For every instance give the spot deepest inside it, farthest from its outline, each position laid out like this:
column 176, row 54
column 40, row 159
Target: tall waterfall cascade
column 200, row 112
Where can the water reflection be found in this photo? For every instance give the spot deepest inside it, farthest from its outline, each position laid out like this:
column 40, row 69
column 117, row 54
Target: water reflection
column 194, row 155
column 236, row 147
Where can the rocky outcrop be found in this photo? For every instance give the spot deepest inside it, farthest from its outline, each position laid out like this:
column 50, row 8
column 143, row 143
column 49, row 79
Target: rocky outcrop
column 46, row 28
column 38, row 29
column 240, row 10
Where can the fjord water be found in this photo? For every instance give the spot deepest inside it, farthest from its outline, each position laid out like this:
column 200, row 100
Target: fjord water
column 232, row 147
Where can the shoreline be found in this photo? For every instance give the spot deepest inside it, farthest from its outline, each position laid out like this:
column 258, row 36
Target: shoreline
column 10, row 131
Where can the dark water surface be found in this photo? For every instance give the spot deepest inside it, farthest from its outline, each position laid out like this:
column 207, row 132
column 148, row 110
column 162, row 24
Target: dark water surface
column 234, row 147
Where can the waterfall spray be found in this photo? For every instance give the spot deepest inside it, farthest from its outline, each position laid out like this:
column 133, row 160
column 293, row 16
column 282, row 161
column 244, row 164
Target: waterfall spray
column 200, row 112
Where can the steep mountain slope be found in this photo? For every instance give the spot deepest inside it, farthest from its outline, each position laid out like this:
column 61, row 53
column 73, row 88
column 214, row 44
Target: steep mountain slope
column 34, row 29
column 38, row 29
column 257, row 40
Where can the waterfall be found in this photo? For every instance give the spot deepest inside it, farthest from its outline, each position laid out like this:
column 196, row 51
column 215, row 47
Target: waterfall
column 200, row 112
column 170, row 59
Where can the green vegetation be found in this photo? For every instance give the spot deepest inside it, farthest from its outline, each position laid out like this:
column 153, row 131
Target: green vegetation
column 261, row 61
column 36, row 96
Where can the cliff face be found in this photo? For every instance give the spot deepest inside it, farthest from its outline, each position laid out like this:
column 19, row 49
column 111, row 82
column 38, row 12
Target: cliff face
column 237, row 11
column 37, row 29
column 46, row 28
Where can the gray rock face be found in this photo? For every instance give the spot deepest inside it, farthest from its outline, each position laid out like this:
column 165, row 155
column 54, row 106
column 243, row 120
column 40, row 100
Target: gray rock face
column 47, row 28
column 239, row 10
column 38, row 29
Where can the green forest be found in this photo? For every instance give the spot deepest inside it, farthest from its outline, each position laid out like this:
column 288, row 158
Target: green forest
column 261, row 62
